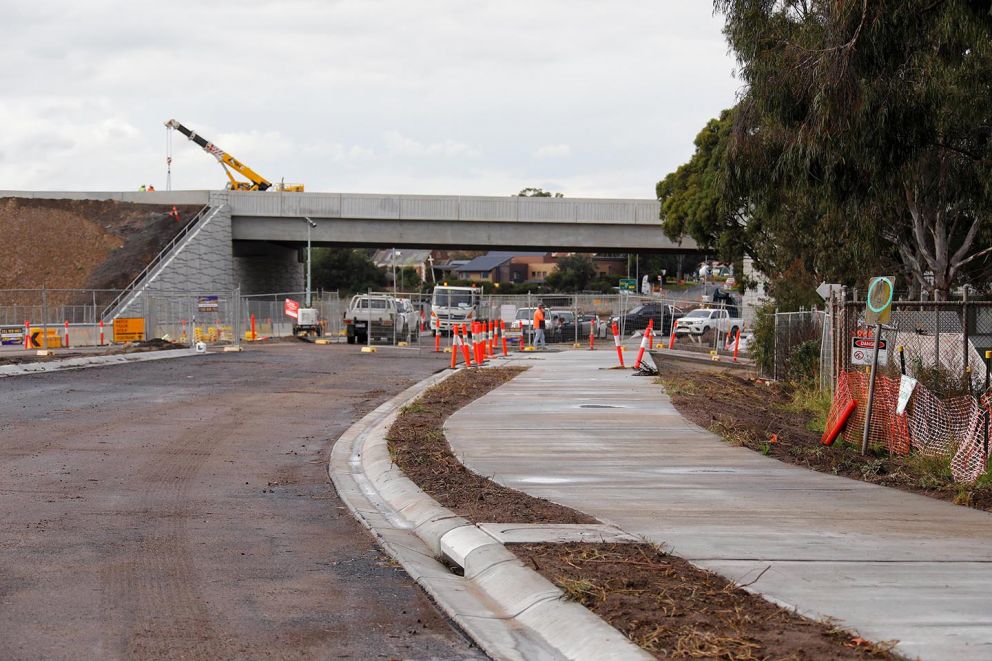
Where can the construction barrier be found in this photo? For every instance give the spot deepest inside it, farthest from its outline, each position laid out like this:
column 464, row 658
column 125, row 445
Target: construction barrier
column 463, row 341
column 616, row 340
column 644, row 345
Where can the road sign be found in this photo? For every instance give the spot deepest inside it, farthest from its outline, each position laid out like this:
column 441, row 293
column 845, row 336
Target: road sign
column 207, row 303
column 628, row 284
column 12, row 335
column 878, row 303
column 861, row 350
column 129, row 329
column 292, row 308
column 826, row 288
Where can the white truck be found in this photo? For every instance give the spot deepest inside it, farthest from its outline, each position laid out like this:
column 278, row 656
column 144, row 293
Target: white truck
column 454, row 306
column 705, row 321
column 374, row 314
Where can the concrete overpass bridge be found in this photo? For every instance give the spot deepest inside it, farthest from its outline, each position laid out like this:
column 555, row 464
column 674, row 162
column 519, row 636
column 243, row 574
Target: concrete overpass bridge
column 249, row 239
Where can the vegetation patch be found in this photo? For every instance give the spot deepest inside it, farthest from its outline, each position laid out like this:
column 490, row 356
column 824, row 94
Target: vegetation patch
column 786, row 421
column 418, row 446
column 677, row 611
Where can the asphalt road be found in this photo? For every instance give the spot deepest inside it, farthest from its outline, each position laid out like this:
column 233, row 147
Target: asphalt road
column 181, row 509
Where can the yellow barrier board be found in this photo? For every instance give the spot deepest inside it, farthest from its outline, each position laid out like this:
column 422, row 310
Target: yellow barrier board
column 36, row 340
column 129, row 329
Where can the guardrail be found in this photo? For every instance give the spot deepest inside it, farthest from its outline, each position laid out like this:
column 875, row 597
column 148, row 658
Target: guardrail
column 176, row 240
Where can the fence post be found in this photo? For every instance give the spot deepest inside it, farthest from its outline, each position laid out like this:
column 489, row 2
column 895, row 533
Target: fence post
column 44, row 317
column 964, row 324
column 237, row 317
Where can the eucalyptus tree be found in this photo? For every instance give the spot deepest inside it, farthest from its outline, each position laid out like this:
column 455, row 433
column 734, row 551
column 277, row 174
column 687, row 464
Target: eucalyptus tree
column 883, row 114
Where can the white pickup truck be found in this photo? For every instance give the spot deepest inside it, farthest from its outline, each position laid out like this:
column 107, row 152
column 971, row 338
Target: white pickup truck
column 707, row 320
column 376, row 314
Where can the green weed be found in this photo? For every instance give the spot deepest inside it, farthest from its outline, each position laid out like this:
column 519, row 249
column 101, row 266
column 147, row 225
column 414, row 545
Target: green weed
column 811, row 400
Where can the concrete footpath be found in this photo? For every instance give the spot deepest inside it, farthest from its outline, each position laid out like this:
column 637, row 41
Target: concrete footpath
column 890, row 565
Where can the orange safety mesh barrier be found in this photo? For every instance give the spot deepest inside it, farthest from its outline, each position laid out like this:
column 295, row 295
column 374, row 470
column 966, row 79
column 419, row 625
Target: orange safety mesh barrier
column 930, row 426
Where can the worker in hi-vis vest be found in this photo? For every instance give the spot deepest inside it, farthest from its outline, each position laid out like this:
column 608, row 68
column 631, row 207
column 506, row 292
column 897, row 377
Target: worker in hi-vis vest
column 539, row 327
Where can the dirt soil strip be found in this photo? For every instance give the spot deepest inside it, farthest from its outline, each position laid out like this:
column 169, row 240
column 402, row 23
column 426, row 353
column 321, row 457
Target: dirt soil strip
column 760, row 415
column 114, row 350
column 662, row 603
column 418, row 446
column 677, row 611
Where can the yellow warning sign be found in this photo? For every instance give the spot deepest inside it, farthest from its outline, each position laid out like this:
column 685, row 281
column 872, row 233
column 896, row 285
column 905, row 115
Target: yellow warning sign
column 129, row 329
column 37, row 339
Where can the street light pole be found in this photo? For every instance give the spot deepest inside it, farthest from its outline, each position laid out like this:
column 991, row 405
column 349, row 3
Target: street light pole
column 310, row 226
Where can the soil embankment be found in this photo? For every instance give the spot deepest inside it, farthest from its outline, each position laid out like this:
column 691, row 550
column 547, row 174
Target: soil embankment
column 80, row 244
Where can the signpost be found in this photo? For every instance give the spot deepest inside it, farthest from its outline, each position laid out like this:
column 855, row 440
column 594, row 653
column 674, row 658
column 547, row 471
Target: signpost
column 207, row 303
column 863, row 348
column 12, row 335
column 129, row 329
column 878, row 311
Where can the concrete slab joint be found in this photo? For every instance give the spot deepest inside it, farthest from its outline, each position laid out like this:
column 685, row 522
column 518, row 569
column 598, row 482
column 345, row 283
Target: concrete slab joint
column 511, row 611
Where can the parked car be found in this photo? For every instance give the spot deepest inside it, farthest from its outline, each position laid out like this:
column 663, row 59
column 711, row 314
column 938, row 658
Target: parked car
column 704, row 321
column 408, row 320
column 637, row 319
column 366, row 313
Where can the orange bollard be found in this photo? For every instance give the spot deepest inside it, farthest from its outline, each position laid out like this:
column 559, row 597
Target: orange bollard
column 502, row 336
column 644, row 344
column 671, row 338
column 437, row 341
column 616, row 340
column 253, row 335
column 737, row 344
column 831, row 435
column 592, row 337
column 463, row 339
column 101, row 332
column 480, row 347
column 650, row 336
column 455, row 342
column 27, row 334
column 67, row 334
column 492, row 338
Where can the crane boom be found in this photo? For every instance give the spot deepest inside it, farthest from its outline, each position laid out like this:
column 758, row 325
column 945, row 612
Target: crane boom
column 228, row 162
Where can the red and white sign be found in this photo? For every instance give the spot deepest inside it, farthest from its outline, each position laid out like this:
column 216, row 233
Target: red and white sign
column 292, row 308
column 862, row 349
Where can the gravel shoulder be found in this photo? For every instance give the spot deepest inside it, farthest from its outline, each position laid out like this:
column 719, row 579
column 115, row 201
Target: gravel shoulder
column 182, row 509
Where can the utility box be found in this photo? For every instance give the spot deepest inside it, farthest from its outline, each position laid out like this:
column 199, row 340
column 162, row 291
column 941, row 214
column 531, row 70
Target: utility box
column 308, row 322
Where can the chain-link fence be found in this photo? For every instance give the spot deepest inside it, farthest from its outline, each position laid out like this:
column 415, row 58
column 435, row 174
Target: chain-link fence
column 940, row 343
column 931, row 391
column 797, row 341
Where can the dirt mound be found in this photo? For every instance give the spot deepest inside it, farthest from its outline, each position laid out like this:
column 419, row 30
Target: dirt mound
column 81, row 244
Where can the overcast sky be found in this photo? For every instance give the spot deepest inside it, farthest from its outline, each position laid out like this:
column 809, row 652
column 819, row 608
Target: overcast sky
column 590, row 98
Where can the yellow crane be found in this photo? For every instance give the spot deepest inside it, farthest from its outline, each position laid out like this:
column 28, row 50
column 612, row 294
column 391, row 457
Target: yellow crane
column 255, row 181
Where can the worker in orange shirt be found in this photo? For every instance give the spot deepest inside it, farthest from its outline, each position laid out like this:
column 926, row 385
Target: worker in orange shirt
column 539, row 327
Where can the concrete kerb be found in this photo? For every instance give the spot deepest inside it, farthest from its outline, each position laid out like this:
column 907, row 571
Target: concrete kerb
column 509, row 610
column 93, row 361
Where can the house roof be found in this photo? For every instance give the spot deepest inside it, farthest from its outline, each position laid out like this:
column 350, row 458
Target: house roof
column 402, row 257
column 493, row 259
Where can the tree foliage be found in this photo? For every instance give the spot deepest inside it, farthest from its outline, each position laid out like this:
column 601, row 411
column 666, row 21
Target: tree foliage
column 870, row 117
column 573, row 273
column 348, row 271
column 537, row 192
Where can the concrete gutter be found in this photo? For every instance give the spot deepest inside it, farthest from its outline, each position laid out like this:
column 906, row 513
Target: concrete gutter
column 509, row 610
column 725, row 362
column 91, row 361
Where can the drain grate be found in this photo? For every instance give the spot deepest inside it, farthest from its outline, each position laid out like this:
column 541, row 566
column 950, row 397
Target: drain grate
column 598, row 406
